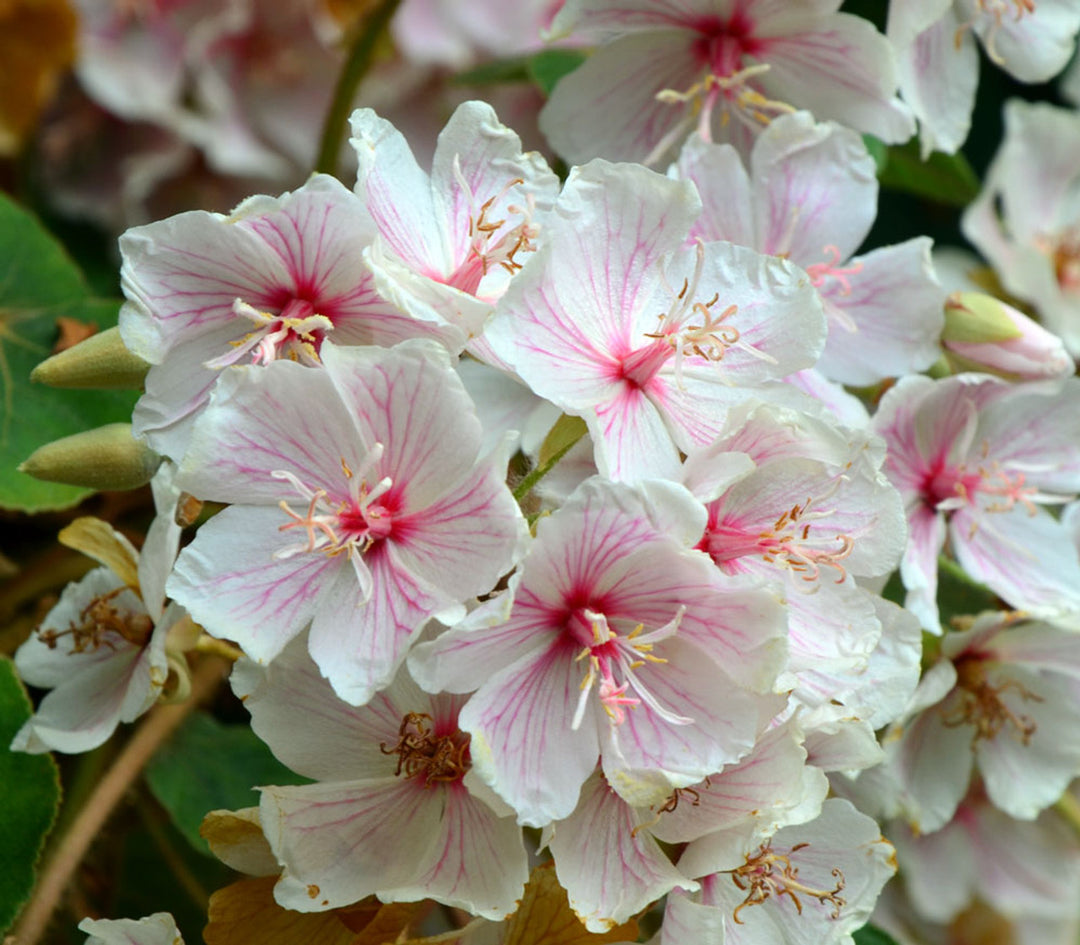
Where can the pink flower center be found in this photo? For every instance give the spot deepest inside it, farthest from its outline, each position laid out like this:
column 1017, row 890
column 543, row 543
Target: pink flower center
column 296, row 333
column 796, row 541
column 728, row 82
column 952, row 487
column 493, row 242
column 611, row 660
column 689, row 329
column 349, row 524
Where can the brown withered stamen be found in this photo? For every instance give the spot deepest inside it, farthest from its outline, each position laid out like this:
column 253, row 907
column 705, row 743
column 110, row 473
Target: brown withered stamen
column 981, row 705
column 766, row 873
column 422, row 754
column 96, row 621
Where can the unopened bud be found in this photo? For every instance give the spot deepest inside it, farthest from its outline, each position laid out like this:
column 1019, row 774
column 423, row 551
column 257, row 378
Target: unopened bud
column 100, row 362
column 985, row 334
column 106, row 458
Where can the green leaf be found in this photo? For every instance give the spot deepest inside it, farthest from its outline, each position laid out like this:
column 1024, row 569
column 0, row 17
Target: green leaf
column 870, row 935
column 944, row 178
column 960, row 595
column 31, row 799
column 497, row 72
column 39, row 285
column 546, row 68
column 543, row 69
column 879, row 151
column 208, row 765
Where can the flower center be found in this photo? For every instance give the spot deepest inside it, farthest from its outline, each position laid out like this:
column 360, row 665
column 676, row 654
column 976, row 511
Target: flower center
column 611, row 660
column 434, row 759
column 979, row 703
column 493, row 242
column 792, row 542
column 996, row 11
column 766, row 873
column 1063, row 251
column 949, row 488
column 820, row 273
column 333, row 525
column 99, row 624
column 296, row 333
column 688, row 329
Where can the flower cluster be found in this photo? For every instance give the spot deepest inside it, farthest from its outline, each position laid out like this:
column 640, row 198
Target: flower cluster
column 546, row 505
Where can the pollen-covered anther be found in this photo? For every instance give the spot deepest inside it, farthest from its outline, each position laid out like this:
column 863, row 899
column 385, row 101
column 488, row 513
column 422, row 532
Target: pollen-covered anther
column 766, row 873
column 789, row 544
column 99, row 624
column 979, row 703
column 423, row 754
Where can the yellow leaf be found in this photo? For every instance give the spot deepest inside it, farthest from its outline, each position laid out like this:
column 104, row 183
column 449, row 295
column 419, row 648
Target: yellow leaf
column 236, row 838
column 246, row 913
column 545, row 917
column 98, row 540
column 37, row 44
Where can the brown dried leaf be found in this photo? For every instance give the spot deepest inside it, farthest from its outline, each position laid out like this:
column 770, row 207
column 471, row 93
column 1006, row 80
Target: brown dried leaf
column 545, row 917
column 246, row 913
column 236, row 838
column 37, row 44
column 70, row 332
column 99, row 540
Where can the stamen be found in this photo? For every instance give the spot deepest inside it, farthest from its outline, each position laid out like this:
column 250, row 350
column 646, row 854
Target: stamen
column 98, row 622
column 787, row 543
column 997, row 10
column 296, row 333
column 830, row 269
column 766, row 873
column 980, row 704
column 609, row 653
column 748, row 104
column 422, row 754
column 334, row 525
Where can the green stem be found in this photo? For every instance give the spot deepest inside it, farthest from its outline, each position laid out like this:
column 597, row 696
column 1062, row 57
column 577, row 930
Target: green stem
column 526, row 485
column 361, row 55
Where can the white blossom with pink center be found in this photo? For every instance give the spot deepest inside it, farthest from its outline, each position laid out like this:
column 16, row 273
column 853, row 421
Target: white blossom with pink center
column 975, row 459
column 272, row 280
column 614, row 642
column 391, row 812
column 770, row 787
column 808, row 509
column 614, row 320
column 1023, row 867
column 935, row 43
column 361, row 507
column 724, row 67
column 449, row 242
column 1005, row 699
column 809, row 194
column 810, row 884
column 1026, row 221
